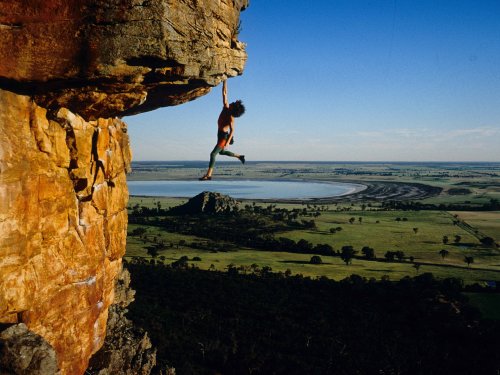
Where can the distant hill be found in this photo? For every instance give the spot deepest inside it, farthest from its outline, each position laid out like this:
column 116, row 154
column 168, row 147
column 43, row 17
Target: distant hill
column 207, row 202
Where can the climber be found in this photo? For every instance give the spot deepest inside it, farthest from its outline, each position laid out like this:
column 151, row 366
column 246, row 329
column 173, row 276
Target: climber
column 225, row 132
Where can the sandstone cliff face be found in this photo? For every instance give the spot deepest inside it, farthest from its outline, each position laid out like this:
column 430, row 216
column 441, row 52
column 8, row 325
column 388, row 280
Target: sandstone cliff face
column 62, row 223
column 67, row 69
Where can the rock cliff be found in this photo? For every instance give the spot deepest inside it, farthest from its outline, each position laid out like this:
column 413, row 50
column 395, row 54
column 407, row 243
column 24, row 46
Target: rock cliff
column 68, row 70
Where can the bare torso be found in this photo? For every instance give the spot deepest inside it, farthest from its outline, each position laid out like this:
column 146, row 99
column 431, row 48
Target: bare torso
column 224, row 121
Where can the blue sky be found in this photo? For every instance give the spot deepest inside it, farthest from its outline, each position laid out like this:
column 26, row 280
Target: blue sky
column 379, row 80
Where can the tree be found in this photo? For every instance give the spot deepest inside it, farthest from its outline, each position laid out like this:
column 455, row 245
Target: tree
column 444, row 253
column 266, row 270
column 351, row 220
column 181, row 263
column 152, row 251
column 360, row 219
column 457, row 238
column 415, row 230
column 390, row 256
column 417, row 266
column 347, row 253
column 304, row 246
column 445, row 239
column 487, row 241
column 468, row 260
column 333, row 230
column 316, row 259
column 309, row 223
column 323, row 249
column 400, row 255
column 232, row 270
column 368, row 252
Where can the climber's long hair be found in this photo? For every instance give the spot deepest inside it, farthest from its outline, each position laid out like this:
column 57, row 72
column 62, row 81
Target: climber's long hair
column 237, row 108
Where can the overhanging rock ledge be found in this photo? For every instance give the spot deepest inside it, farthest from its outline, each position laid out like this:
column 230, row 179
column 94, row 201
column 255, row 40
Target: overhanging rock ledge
column 103, row 58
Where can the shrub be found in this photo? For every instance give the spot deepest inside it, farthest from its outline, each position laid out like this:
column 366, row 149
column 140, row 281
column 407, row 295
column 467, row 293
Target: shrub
column 487, row 241
column 368, row 252
column 138, row 231
column 316, row 259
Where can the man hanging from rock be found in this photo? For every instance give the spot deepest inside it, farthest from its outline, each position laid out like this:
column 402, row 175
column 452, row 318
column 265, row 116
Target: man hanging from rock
column 225, row 131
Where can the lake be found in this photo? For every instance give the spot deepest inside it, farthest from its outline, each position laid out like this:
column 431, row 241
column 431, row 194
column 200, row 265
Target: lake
column 244, row 189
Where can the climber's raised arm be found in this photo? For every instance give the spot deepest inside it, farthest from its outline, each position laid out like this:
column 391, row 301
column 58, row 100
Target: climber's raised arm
column 224, row 94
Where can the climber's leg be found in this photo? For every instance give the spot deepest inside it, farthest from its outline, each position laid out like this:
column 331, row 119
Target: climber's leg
column 217, row 150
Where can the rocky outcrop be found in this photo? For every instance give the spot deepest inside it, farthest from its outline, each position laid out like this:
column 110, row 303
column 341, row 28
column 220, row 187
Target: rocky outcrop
column 68, row 70
column 23, row 352
column 127, row 349
column 103, row 58
column 207, row 202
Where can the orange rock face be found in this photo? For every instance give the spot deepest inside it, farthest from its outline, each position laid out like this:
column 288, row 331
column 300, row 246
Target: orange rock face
column 67, row 69
column 63, row 222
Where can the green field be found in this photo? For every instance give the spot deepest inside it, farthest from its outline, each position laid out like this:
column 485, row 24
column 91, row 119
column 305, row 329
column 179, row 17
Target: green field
column 419, row 234
column 485, row 222
column 377, row 229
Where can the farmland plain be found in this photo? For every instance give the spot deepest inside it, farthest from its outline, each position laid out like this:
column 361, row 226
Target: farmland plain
column 458, row 201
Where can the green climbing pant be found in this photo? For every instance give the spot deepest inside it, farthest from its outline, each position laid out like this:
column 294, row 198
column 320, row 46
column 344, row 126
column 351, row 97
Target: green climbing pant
column 218, row 150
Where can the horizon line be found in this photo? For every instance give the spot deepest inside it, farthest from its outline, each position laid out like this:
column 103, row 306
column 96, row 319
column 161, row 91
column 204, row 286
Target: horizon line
column 321, row 161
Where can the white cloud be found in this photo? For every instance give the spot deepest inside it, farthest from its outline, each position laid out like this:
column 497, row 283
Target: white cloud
column 476, row 132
